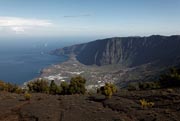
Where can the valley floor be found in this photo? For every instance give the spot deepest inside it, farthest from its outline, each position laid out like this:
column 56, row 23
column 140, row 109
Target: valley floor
column 97, row 76
column 123, row 106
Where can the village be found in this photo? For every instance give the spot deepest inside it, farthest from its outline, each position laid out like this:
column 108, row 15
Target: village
column 95, row 76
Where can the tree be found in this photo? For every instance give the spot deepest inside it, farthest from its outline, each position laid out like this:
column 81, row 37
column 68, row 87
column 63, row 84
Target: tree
column 108, row 90
column 39, row 85
column 54, row 89
column 65, row 87
column 77, row 85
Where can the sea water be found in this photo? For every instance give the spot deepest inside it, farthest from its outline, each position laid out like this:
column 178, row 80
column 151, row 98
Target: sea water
column 23, row 61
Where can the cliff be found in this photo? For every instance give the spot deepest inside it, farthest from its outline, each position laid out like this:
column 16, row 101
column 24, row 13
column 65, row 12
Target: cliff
column 127, row 51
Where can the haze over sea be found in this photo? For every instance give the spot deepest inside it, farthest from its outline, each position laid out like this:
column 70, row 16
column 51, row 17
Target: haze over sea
column 21, row 60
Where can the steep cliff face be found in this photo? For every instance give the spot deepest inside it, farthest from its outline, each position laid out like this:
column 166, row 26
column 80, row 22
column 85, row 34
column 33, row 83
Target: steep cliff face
column 127, row 51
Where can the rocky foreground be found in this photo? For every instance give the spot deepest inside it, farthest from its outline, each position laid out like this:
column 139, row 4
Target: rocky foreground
column 123, row 106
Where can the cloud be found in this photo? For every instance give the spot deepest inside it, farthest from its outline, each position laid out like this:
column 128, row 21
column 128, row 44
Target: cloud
column 20, row 25
column 18, row 29
column 77, row 16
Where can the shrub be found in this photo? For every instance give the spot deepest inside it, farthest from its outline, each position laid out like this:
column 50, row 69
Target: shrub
column 133, row 86
column 146, row 104
column 77, row 85
column 54, row 89
column 11, row 87
column 149, row 85
column 108, row 90
column 65, row 88
column 19, row 91
column 143, row 86
column 27, row 96
column 39, row 85
column 2, row 86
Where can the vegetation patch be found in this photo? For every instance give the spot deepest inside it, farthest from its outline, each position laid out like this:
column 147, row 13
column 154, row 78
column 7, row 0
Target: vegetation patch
column 170, row 78
column 108, row 90
column 27, row 96
column 76, row 86
column 146, row 104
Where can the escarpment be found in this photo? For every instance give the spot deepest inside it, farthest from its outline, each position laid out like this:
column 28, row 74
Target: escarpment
column 127, row 51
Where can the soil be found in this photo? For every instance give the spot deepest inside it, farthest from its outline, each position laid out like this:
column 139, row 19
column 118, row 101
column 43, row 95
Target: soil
column 123, row 106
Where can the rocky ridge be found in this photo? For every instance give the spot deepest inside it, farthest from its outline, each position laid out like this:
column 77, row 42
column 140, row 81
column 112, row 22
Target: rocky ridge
column 126, row 51
column 119, row 60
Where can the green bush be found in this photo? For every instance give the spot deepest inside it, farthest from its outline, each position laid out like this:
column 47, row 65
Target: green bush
column 143, row 85
column 3, row 86
column 108, row 90
column 54, row 89
column 10, row 88
column 77, row 85
column 65, row 88
column 149, row 85
column 133, row 86
column 39, row 85
column 19, row 91
column 27, row 96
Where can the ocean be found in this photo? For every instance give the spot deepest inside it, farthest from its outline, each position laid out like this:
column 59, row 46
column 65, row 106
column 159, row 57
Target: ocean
column 21, row 61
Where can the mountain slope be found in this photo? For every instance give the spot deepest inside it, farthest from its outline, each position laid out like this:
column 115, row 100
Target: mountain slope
column 123, row 106
column 127, row 51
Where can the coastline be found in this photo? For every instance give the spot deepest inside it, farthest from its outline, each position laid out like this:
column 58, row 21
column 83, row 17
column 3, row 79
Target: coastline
column 65, row 58
column 96, row 76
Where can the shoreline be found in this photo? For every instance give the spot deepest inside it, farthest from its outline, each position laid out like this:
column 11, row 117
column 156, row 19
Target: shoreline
column 96, row 76
column 40, row 70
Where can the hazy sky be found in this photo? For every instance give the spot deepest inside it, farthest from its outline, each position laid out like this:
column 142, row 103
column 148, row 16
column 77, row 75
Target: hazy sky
column 106, row 18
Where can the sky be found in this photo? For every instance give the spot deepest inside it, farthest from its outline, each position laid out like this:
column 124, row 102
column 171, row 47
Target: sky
column 88, row 18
